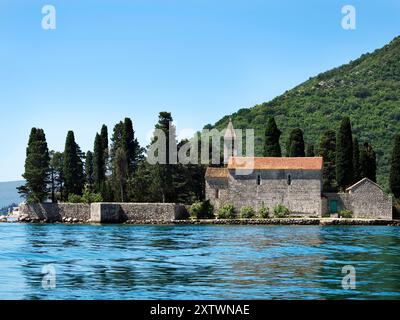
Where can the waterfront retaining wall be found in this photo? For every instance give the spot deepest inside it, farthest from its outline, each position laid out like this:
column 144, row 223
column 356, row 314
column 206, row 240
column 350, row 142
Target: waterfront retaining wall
column 122, row 212
column 53, row 212
column 102, row 212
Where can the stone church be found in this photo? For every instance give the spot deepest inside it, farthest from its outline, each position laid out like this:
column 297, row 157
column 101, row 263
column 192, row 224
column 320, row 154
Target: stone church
column 293, row 182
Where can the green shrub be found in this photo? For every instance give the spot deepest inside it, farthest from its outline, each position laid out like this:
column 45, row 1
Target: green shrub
column 263, row 212
column 346, row 213
column 226, row 212
column 202, row 210
column 396, row 209
column 74, row 198
column 280, row 211
column 90, row 197
column 247, row 212
column 87, row 197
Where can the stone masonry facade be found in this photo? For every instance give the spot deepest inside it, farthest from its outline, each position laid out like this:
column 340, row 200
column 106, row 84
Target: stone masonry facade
column 300, row 190
column 269, row 187
column 365, row 199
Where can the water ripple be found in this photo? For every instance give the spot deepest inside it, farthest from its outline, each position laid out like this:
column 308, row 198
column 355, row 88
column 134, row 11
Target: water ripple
column 198, row 262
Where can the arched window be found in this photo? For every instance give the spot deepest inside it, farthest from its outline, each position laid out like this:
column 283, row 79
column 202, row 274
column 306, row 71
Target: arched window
column 259, row 179
column 289, row 179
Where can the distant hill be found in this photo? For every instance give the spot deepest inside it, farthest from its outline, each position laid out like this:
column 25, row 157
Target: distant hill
column 9, row 194
column 367, row 90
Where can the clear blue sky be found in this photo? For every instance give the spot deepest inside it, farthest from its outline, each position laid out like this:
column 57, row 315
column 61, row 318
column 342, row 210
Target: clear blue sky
column 199, row 59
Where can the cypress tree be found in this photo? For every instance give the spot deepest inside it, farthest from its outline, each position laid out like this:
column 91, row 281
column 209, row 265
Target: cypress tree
column 295, row 146
column 57, row 177
column 327, row 149
column 120, row 174
column 104, row 141
column 116, row 140
column 272, row 147
column 36, row 168
column 310, row 150
column 344, row 155
column 73, row 167
column 356, row 160
column 130, row 146
column 163, row 174
column 89, row 170
column 394, row 179
column 368, row 162
column 98, row 161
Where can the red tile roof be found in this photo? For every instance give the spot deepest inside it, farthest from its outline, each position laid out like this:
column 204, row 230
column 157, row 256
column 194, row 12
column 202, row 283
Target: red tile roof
column 213, row 172
column 271, row 163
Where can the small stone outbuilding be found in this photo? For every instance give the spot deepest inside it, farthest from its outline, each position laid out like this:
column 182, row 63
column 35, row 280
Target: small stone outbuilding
column 365, row 199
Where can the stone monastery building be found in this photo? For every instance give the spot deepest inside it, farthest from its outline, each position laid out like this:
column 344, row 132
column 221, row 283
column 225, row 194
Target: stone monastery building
column 293, row 182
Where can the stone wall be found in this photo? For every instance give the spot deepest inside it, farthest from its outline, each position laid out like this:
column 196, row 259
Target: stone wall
column 122, row 212
column 102, row 212
column 302, row 195
column 53, row 212
column 217, row 184
column 365, row 203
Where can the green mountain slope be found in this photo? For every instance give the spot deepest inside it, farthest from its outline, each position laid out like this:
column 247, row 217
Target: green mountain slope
column 367, row 90
column 9, row 193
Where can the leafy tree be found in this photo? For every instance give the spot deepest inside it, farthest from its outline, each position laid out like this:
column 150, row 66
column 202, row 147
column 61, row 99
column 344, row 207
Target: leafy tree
column 88, row 197
column 106, row 190
column 310, row 150
column 368, row 162
column 272, row 147
column 202, row 210
column 327, row 149
column 73, row 167
column 344, row 155
column 139, row 188
column 36, row 167
column 188, row 179
column 356, row 160
column 295, row 145
column 394, row 179
column 89, row 170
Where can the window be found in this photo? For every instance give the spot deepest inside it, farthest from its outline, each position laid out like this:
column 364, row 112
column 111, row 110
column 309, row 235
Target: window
column 289, row 179
column 258, row 179
column 216, row 193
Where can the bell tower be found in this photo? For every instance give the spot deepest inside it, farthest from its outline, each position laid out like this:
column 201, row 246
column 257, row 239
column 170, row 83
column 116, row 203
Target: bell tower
column 230, row 142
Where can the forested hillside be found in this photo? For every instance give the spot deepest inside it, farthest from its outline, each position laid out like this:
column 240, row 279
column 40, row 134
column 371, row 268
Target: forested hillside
column 367, row 90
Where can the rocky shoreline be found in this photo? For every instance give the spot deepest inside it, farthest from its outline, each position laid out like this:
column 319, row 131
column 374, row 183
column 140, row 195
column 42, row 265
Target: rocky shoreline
column 274, row 221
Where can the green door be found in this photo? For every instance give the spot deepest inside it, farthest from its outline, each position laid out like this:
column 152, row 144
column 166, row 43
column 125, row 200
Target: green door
column 333, row 206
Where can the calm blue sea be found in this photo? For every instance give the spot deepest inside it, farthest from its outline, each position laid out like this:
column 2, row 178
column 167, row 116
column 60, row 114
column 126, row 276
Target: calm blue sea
column 198, row 262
